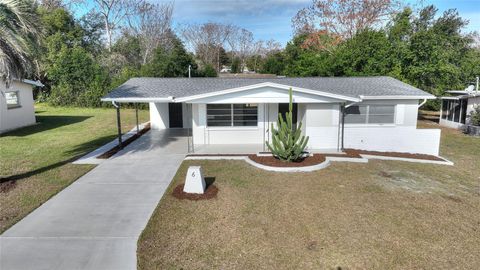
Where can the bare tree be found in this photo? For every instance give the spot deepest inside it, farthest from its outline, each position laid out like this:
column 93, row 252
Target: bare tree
column 343, row 17
column 207, row 40
column 272, row 46
column 115, row 13
column 245, row 45
column 152, row 23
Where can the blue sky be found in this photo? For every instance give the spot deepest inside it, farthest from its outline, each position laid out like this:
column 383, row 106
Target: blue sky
column 269, row 19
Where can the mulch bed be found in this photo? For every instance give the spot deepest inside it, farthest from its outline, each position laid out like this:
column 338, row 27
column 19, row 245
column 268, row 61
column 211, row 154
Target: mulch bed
column 115, row 149
column 210, row 193
column 275, row 162
column 7, row 186
column 356, row 153
column 349, row 153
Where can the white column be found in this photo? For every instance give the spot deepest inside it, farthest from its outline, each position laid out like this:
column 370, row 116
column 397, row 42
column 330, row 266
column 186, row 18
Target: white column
column 159, row 115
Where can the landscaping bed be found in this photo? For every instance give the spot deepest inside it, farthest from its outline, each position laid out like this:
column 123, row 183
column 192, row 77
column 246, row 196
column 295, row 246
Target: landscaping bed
column 275, row 162
column 114, row 150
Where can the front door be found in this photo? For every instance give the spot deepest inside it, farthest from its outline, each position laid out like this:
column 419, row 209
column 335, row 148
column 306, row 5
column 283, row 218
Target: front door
column 283, row 109
column 175, row 115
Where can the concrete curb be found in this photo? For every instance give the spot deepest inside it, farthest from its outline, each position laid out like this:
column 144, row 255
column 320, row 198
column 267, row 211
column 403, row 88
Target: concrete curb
column 445, row 162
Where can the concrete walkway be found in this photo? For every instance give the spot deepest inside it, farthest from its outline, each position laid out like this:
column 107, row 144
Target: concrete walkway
column 95, row 222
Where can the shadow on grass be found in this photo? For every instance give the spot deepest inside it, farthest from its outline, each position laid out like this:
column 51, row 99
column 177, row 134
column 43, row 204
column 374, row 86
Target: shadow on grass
column 46, row 122
column 75, row 153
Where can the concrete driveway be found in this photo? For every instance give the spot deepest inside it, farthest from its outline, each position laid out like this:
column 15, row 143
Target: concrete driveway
column 95, row 222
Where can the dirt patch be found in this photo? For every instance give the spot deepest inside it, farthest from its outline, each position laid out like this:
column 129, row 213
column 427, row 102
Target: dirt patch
column 357, row 152
column 275, row 162
column 7, row 186
column 210, row 193
column 115, row 149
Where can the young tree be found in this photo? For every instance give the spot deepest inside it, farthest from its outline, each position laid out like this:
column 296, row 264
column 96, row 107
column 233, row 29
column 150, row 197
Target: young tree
column 19, row 31
column 343, row 17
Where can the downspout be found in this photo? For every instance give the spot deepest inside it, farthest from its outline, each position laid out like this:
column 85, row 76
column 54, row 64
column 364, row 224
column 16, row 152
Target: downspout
column 423, row 103
column 119, row 127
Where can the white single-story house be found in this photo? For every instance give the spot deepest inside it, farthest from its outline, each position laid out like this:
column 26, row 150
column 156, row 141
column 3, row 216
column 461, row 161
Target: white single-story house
column 16, row 104
column 370, row 113
column 457, row 107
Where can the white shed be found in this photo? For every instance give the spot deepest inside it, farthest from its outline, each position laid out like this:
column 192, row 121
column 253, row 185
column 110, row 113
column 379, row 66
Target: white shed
column 16, row 104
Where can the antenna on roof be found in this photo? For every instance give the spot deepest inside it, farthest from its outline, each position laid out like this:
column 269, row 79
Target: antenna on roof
column 190, row 72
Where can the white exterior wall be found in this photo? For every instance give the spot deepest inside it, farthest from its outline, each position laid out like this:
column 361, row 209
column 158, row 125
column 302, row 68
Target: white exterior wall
column 322, row 126
column 17, row 117
column 159, row 115
column 394, row 139
column 403, row 136
column 267, row 114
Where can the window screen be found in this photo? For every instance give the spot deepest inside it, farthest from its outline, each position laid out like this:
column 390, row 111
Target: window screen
column 456, row 109
column 464, row 103
column 219, row 115
column 370, row 114
column 245, row 115
column 227, row 115
column 444, row 109
column 12, row 99
column 356, row 115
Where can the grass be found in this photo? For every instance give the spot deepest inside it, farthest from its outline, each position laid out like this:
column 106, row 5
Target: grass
column 38, row 157
column 380, row 215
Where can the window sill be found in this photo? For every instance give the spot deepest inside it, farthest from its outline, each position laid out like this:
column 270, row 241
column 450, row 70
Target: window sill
column 230, row 128
column 14, row 107
column 369, row 125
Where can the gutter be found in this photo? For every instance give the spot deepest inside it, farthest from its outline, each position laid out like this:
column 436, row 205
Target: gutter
column 139, row 100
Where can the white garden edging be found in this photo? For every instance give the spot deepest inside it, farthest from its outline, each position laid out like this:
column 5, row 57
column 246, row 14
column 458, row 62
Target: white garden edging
column 312, row 168
column 326, row 163
column 445, row 162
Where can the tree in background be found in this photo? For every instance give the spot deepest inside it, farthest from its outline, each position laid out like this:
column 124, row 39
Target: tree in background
column 236, row 65
column 19, row 32
column 77, row 79
column 343, row 18
column 172, row 62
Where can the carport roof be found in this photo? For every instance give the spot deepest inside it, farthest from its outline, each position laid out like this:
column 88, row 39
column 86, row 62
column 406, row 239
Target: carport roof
column 351, row 88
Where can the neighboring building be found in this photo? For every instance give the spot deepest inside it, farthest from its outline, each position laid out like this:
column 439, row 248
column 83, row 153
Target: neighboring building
column 16, row 104
column 456, row 108
column 380, row 112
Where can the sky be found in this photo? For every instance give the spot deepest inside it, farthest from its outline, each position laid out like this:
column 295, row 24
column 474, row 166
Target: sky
column 271, row 19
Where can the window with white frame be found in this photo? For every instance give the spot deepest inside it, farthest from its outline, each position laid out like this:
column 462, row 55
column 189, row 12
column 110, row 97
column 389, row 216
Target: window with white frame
column 232, row 115
column 370, row 114
column 12, row 99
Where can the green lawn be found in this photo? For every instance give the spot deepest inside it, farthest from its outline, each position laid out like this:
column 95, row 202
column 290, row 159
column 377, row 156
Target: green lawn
column 39, row 156
column 379, row 215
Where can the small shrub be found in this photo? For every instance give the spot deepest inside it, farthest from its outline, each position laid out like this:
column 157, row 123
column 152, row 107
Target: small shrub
column 475, row 116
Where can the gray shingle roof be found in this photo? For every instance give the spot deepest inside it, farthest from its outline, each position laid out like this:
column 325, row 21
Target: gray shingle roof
column 185, row 87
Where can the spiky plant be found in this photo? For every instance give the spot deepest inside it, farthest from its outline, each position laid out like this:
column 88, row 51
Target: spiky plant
column 288, row 143
column 19, row 29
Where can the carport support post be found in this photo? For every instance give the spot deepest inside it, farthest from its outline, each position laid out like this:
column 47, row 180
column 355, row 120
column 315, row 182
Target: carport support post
column 136, row 116
column 343, row 126
column 119, row 125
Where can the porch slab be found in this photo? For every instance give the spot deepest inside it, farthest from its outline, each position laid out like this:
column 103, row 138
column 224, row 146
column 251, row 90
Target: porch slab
column 229, row 149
